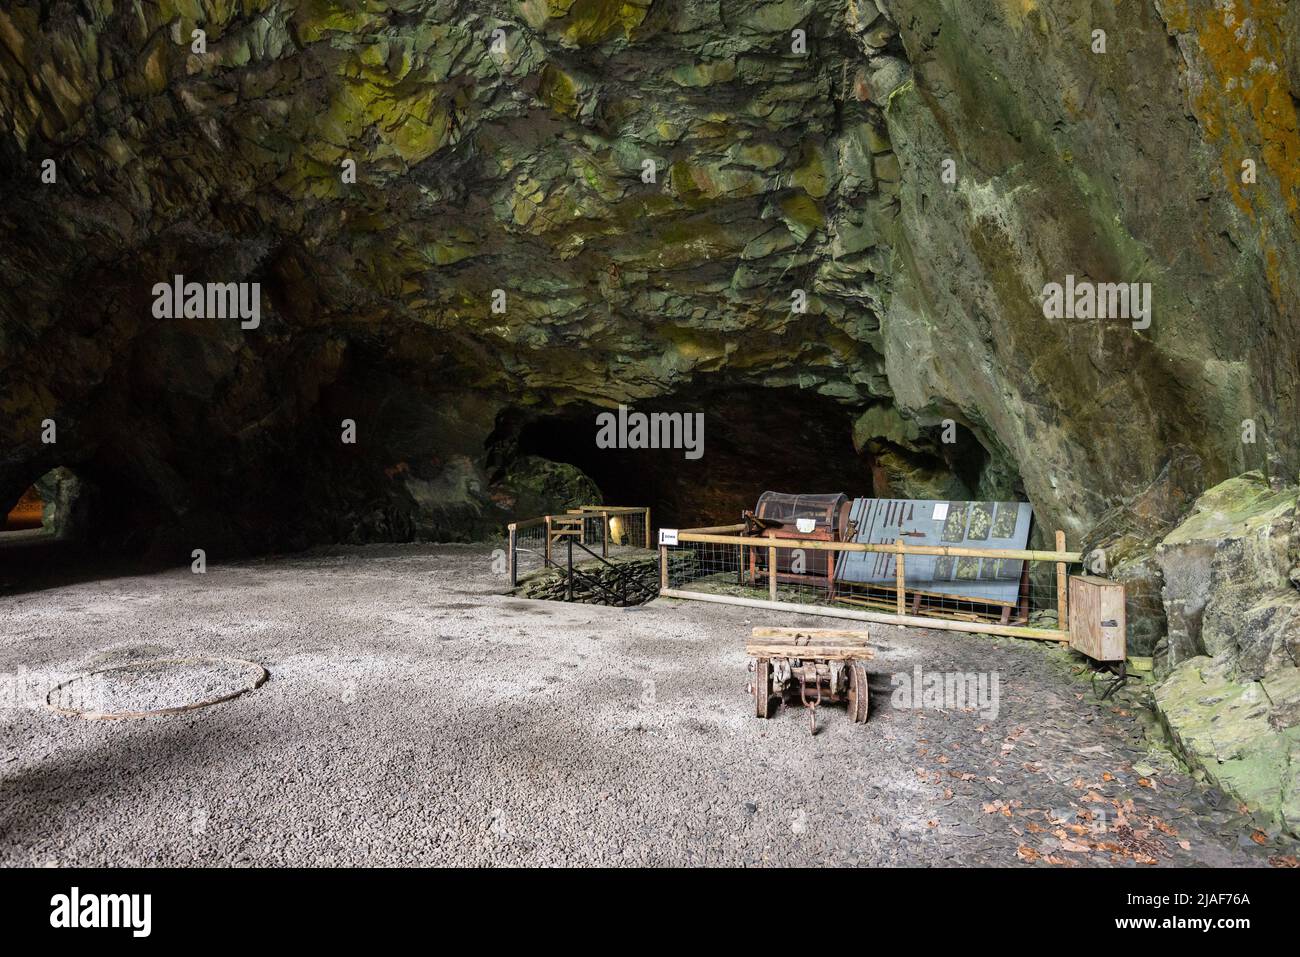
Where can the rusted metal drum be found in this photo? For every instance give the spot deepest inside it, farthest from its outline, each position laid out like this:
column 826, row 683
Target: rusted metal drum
column 828, row 513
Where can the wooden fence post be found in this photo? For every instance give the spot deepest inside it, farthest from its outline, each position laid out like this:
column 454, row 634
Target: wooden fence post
column 900, row 583
column 510, row 555
column 663, row 566
column 604, row 541
column 1062, row 613
column 771, row 572
column 645, row 533
column 547, row 564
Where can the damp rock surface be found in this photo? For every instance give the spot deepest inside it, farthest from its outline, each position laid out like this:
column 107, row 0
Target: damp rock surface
column 416, row 715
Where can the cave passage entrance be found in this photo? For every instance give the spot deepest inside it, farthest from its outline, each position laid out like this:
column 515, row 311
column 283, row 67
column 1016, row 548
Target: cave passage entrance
column 27, row 513
column 754, row 440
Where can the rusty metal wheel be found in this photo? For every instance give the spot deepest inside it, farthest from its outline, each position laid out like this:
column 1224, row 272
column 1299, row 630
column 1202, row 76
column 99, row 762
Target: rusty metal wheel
column 763, row 688
column 858, row 694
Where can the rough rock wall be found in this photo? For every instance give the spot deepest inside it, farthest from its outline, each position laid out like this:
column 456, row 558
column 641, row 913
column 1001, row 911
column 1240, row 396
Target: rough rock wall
column 521, row 168
column 1121, row 166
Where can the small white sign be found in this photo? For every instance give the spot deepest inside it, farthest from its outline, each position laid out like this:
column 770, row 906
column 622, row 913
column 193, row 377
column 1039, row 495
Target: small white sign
column 667, row 536
column 805, row 525
column 940, row 511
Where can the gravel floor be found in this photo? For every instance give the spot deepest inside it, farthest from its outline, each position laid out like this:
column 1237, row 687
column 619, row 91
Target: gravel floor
column 415, row 716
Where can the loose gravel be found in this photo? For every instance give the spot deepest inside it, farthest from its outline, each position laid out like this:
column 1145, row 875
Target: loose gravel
column 149, row 687
column 416, row 715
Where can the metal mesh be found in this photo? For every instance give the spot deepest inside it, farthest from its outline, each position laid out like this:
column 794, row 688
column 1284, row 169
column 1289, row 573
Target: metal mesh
column 806, row 575
column 529, row 550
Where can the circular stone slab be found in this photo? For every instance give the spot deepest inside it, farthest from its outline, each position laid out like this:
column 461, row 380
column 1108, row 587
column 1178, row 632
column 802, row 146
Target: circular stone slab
column 145, row 689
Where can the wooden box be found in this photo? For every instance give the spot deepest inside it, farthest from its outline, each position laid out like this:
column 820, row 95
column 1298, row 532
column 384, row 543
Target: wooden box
column 1098, row 626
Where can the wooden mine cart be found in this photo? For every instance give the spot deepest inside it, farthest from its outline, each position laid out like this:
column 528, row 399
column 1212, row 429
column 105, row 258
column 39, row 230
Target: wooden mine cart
column 825, row 664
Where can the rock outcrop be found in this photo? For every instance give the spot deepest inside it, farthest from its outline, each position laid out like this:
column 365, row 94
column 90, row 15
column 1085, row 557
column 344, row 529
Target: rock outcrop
column 1231, row 577
column 1230, row 694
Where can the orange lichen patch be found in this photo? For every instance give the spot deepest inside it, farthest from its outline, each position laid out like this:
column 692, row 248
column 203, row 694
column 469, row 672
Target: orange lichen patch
column 1244, row 104
column 1243, row 44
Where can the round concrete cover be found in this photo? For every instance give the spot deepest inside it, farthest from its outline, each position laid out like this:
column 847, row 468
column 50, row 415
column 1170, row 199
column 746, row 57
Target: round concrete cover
column 150, row 688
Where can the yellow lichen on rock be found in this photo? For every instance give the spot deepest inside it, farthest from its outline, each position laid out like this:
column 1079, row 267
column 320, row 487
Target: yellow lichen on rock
column 585, row 22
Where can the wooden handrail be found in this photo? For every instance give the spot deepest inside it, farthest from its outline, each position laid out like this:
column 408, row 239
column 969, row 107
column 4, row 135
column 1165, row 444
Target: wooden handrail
column 585, row 511
column 1031, row 555
column 612, row 509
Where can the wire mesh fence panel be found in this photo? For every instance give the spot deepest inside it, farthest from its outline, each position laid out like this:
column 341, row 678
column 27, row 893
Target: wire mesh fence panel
column 978, row 588
column 529, row 552
column 630, row 529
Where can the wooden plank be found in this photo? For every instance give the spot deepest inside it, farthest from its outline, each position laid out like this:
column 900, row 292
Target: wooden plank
column 1062, row 618
column 906, row 621
column 821, row 634
column 941, row 550
column 829, row 652
column 712, row 530
column 663, row 567
column 899, row 583
column 771, row 572
column 612, row 509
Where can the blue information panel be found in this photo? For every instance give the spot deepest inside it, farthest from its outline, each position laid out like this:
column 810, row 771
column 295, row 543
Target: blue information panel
column 880, row 521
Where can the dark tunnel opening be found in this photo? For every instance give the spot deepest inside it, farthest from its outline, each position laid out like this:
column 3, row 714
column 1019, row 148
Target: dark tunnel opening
column 754, row 439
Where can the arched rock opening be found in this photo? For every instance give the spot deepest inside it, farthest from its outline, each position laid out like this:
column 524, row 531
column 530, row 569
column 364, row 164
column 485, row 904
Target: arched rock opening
column 754, row 439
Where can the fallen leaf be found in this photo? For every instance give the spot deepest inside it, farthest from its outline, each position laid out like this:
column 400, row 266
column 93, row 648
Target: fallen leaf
column 1259, row 837
column 1026, row 853
column 1284, row 860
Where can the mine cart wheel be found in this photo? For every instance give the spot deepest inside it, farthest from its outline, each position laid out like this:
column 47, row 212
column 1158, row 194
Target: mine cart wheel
column 858, row 692
column 763, row 688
